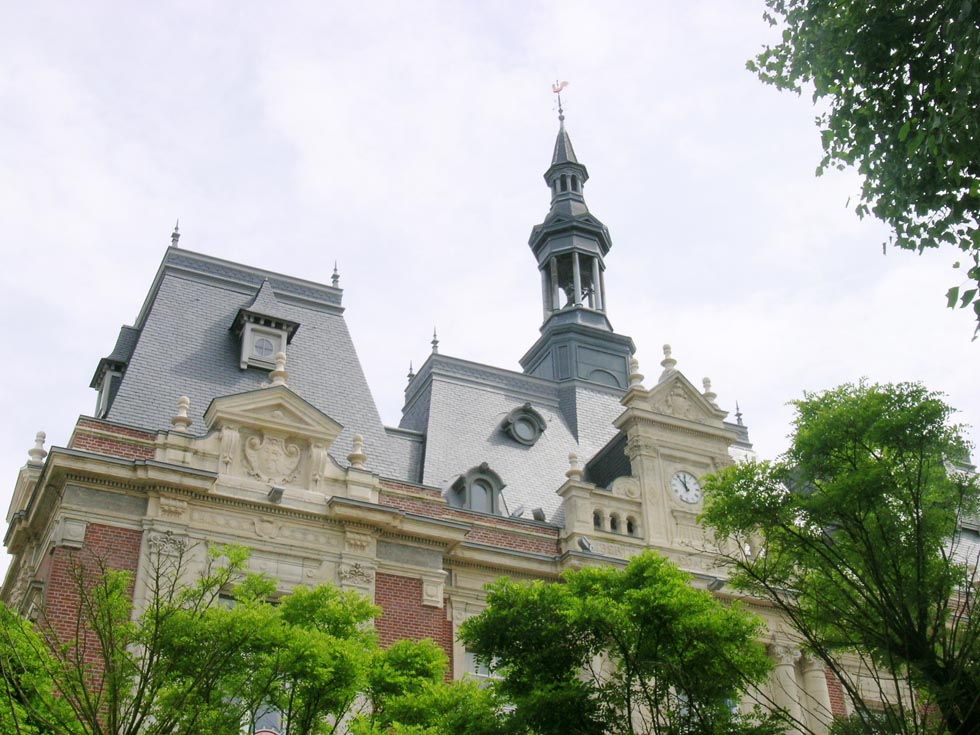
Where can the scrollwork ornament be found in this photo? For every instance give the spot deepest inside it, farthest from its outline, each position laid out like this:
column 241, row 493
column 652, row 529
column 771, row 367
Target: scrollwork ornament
column 272, row 459
column 356, row 575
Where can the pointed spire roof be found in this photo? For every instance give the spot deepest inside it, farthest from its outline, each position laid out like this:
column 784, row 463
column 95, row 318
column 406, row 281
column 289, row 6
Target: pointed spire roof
column 564, row 153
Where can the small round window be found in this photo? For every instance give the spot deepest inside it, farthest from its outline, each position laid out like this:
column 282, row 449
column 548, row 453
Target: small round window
column 525, row 429
column 263, row 347
column 524, row 425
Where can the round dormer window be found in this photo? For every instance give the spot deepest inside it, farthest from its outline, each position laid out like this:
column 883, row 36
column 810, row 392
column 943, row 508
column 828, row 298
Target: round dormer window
column 525, row 430
column 524, row 425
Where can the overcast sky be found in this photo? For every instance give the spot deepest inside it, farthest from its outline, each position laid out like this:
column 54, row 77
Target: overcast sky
column 407, row 141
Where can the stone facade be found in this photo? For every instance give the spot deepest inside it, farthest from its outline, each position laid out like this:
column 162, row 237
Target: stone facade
column 197, row 442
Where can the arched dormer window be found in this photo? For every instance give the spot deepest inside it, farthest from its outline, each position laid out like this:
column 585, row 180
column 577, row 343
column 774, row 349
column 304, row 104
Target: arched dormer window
column 478, row 490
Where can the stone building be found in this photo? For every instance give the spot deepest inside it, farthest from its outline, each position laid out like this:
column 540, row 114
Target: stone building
column 235, row 410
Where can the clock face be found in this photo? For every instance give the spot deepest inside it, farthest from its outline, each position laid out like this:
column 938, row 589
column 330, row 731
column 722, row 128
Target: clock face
column 686, row 487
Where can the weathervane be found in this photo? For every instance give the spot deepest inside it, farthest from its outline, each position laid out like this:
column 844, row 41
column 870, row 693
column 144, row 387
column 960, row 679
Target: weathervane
column 557, row 87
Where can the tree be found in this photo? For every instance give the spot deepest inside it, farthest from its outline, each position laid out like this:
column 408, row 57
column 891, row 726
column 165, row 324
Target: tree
column 620, row 651
column 901, row 85
column 854, row 534
column 214, row 654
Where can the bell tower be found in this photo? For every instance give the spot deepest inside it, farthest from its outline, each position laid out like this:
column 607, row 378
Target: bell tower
column 577, row 341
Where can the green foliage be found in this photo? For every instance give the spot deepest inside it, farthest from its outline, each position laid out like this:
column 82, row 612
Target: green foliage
column 212, row 653
column 900, row 83
column 853, row 534
column 620, row 651
column 437, row 708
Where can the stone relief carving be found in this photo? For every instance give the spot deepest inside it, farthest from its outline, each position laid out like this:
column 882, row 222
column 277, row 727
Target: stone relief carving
column 319, row 463
column 173, row 507
column 166, row 544
column 265, row 528
column 432, row 594
column 627, row 487
column 355, row 574
column 271, row 458
column 357, row 541
column 676, row 402
column 230, row 439
column 639, row 445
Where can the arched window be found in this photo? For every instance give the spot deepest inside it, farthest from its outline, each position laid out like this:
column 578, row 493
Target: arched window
column 574, row 182
column 564, row 182
column 478, row 490
column 630, row 526
column 614, row 522
column 597, row 519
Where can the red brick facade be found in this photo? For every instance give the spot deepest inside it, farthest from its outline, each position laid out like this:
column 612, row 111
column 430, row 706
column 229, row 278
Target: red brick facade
column 103, row 546
column 91, row 435
column 406, row 617
column 836, row 695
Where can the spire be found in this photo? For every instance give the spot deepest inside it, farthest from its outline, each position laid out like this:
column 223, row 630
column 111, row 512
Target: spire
column 564, row 153
column 570, row 246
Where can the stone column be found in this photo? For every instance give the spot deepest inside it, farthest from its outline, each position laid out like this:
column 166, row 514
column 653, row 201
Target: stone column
column 576, row 280
column 547, row 294
column 555, row 288
column 596, row 290
column 816, row 698
column 786, row 690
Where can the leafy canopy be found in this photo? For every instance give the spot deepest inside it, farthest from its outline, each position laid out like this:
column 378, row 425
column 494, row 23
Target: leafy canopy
column 620, row 651
column 900, row 83
column 214, row 654
column 854, row 535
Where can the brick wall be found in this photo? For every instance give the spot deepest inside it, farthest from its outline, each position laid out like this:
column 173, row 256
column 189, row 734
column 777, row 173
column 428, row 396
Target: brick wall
column 108, row 546
column 406, row 617
column 836, row 691
column 118, row 441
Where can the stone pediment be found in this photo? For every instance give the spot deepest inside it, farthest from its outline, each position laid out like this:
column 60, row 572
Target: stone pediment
column 274, row 437
column 275, row 409
column 676, row 396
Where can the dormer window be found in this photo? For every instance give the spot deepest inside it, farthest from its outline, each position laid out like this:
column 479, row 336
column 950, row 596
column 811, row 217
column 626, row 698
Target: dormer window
column 478, row 490
column 263, row 330
column 524, row 425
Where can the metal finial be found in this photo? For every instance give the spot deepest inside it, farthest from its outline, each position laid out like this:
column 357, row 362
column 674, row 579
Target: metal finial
column 411, row 372
column 435, row 342
column 335, row 278
column 557, row 87
column 738, row 415
column 175, row 235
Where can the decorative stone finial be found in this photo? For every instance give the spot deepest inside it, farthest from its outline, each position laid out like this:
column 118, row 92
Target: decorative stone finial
column 335, row 278
column 37, row 453
column 357, row 457
column 182, row 421
column 738, row 415
column 175, row 235
column 279, row 375
column 668, row 363
column 636, row 377
column 574, row 471
column 709, row 395
column 411, row 372
column 435, row 342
